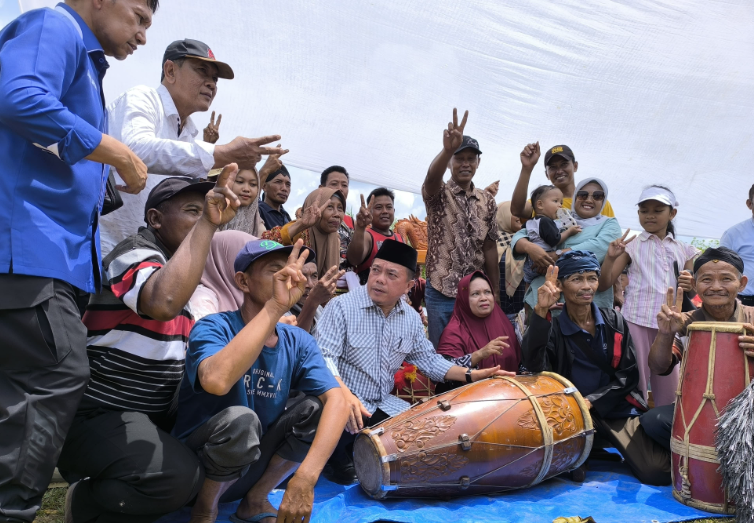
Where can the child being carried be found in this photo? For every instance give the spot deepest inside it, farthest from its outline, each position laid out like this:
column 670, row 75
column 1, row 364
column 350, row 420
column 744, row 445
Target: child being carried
column 551, row 224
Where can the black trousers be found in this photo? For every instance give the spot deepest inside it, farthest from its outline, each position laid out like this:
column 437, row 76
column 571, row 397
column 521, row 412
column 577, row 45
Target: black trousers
column 43, row 374
column 290, row 437
column 658, row 424
column 343, row 453
column 135, row 472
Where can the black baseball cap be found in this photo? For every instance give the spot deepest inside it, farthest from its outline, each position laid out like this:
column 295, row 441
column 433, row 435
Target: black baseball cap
column 255, row 249
column 468, row 143
column 199, row 50
column 170, row 187
column 559, row 150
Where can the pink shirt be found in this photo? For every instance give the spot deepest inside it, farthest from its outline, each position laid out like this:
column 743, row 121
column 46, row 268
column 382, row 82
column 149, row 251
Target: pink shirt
column 651, row 274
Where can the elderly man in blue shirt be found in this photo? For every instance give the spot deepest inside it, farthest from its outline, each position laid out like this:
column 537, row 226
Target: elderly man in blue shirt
column 52, row 185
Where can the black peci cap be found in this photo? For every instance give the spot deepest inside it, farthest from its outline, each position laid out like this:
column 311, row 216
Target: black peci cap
column 195, row 49
column 170, row 187
column 398, row 252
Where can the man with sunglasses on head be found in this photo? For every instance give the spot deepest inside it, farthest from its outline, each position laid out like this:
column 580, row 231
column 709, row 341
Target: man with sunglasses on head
column 157, row 125
column 560, row 167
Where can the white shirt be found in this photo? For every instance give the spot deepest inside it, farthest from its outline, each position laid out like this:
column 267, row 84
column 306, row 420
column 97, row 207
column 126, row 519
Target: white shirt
column 740, row 238
column 147, row 121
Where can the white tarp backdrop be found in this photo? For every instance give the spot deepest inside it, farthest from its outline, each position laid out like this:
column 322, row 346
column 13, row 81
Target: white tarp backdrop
column 644, row 91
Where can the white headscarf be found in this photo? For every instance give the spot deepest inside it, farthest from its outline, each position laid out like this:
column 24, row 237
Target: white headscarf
column 588, row 222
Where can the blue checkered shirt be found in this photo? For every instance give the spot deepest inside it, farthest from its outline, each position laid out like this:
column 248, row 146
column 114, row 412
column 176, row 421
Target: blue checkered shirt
column 365, row 349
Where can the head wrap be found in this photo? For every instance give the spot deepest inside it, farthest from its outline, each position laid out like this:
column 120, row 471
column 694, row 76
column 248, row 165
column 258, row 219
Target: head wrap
column 219, row 274
column 398, row 252
column 326, row 245
column 467, row 333
column 722, row 254
column 588, row 222
column 661, row 194
column 573, row 262
column 282, row 171
column 247, row 218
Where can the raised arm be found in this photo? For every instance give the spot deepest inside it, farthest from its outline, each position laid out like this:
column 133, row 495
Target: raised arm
column 491, row 266
column 616, row 260
column 534, row 348
column 452, row 138
column 168, row 291
column 322, row 292
column 218, row 373
column 361, row 242
column 519, row 200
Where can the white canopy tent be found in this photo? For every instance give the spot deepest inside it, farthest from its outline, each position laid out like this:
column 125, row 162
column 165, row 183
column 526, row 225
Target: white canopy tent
column 644, row 91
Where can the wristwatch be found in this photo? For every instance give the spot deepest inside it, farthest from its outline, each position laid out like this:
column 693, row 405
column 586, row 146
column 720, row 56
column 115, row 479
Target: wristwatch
column 559, row 252
column 468, row 375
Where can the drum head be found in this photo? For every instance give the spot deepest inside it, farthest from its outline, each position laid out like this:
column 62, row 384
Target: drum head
column 368, row 464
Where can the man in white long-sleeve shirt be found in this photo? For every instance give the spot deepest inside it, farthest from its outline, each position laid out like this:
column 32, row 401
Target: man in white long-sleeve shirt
column 156, row 124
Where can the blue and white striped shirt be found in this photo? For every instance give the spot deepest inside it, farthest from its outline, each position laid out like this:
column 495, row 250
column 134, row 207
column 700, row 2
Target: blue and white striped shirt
column 365, row 349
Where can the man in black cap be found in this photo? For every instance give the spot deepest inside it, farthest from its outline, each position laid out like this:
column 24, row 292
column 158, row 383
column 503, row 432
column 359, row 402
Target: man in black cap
column 119, row 457
column 157, row 125
column 277, row 188
column 366, row 335
column 461, row 226
column 718, row 279
column 560, row 170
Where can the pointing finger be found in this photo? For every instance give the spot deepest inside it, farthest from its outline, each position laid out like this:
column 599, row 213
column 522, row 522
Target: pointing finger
column 455, row 117
column 625, row 234
column 219, row 119
column 669, row 297
column 363, row 203
column 266, row 139
column 293, row 256
column 272, row 150
column 678, row 299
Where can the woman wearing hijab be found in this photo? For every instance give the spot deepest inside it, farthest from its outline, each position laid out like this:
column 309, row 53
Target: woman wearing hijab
column 512, row 286
column 217, row 291
column 597, row 232
column 247, row 219
column 479, row 334
column 323, row 211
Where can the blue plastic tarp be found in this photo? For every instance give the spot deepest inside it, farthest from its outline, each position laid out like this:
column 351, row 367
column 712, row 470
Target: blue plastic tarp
column 610, row 495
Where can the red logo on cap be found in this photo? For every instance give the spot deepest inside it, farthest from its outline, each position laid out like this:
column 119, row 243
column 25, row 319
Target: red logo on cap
column 210, row 54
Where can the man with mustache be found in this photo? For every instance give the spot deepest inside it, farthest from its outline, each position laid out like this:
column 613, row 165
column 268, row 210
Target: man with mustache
column 718, row 279
column 157, row 125
column 592, row 348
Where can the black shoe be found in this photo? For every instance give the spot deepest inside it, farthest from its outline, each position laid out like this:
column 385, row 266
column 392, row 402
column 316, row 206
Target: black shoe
column 578, row 475
column 342, row 474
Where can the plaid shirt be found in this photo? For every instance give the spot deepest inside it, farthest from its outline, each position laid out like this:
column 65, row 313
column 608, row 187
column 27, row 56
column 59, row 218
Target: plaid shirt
column 365, row 349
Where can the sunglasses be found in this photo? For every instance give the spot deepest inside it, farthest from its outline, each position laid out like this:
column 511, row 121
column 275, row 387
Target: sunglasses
column 597, row 195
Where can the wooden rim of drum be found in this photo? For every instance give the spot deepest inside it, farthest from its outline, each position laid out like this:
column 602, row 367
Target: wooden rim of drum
column 588, row 425
column 718, row 326
column 374, row 438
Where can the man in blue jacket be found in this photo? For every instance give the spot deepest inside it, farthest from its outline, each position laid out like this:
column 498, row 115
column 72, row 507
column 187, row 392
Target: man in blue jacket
column 55, row 166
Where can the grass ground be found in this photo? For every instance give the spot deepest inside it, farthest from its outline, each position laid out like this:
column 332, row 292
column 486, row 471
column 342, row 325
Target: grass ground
column 53, row 506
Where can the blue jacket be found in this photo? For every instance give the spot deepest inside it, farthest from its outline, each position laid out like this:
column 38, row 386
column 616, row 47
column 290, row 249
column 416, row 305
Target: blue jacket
column 52, row 115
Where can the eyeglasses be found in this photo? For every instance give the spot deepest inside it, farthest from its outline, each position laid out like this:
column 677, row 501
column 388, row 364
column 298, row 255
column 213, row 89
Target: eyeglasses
column 596, row 195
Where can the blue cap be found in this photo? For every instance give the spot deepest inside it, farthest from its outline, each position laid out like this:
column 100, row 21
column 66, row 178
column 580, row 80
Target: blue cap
column 255, row 249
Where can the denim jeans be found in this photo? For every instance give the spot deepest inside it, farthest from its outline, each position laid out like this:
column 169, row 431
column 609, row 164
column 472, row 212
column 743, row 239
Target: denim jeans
column 439, row 311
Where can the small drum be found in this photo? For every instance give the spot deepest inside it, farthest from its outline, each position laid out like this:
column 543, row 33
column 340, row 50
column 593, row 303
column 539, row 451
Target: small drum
column 714, row 371
column 495, row 435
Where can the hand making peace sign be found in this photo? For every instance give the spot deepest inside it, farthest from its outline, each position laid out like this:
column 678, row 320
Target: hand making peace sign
column 548, row 293
column 364, row 217
column 670, row 319
column 272, row 163
column 221, row 203
column 452, row 138
column 313, row 213
column 212, row 131
column 618, row 247
column 289, row 283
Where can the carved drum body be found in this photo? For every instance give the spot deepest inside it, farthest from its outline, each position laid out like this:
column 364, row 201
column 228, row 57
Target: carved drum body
column 714, row 371
column 494, row 435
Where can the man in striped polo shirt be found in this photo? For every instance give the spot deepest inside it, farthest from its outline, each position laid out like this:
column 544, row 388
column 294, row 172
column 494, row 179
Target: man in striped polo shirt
column 119, row 457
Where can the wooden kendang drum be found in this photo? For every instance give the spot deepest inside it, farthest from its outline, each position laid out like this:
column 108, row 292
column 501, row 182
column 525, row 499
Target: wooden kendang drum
column 714, row 371
column 495, row 435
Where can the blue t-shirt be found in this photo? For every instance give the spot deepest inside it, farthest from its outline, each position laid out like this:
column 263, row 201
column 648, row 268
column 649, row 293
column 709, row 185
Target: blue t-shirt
column 294, row 363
